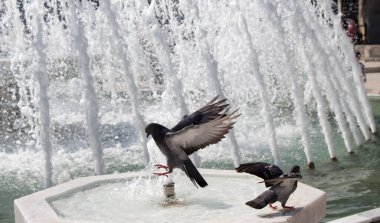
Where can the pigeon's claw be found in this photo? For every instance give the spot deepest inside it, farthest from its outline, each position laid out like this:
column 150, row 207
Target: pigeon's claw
column 290, row 208
column 161, row 166
column 273, row 207
column 162, row 174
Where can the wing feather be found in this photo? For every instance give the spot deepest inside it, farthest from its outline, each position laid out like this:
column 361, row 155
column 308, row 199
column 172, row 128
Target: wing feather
column 195, row 137
column 266, row 171
column 263, row 199
column 280, row 180
column 212, row 110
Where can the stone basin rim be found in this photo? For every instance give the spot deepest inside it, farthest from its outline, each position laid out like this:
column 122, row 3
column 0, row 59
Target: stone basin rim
column 36, row 208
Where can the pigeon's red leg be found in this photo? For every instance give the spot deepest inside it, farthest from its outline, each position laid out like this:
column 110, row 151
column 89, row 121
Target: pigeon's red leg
column 162, row 174
column 273, row 207
column 289, row 208
column 161, row 166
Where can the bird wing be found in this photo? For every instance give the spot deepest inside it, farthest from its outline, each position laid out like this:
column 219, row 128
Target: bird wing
column 266, row 171
column 210, row 111
column 195, row 137
column 280, row 180
column 263, row 199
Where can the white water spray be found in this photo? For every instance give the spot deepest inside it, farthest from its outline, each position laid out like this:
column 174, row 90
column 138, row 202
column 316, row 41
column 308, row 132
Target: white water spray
column 91, row 101
column 132, row 89
column 212, row 68
column 351, row 61
column 134, row 59
column 320, row 63
column 43, row 81
column 160, row 36
column 340, row 73
column 266, row 111
column 297, row 94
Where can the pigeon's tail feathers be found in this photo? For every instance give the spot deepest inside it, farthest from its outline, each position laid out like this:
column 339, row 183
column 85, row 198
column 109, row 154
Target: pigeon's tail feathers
column 263, row 200
column 194, row 175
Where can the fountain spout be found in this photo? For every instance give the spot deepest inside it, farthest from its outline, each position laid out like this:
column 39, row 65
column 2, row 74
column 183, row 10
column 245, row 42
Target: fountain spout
column 169, row 190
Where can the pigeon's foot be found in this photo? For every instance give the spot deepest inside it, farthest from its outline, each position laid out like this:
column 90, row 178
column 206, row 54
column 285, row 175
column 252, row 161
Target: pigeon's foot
column 161, row 166
column 273, row 207
column 162, row 174
column 289, row 208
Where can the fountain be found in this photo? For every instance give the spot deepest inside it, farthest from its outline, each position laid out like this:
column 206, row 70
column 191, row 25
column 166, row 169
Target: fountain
column 90, row 74
column 134, row 197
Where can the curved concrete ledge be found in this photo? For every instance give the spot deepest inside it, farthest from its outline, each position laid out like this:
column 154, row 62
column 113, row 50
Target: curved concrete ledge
column 371, row 216
column 35, row 208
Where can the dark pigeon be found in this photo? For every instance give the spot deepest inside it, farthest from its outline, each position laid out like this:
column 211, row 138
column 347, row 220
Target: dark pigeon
column 196, row 131
column 281, row 185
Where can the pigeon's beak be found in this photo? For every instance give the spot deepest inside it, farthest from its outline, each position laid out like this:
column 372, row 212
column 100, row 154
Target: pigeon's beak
column 299, row 176
column 147, row 135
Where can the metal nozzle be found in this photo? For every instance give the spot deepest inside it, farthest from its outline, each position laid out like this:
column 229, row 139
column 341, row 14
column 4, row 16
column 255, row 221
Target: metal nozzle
column 169, row 191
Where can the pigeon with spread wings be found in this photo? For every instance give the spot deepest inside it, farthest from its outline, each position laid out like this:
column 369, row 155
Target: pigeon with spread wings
column 206, row 126
column 281, row 185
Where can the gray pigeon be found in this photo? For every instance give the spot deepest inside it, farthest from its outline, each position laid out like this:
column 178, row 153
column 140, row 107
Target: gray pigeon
column 196, row 131
column 281, row 185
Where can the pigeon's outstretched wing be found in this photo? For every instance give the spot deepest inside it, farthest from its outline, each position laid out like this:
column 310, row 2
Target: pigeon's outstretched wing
column 210, row 111
column 266, row 171
column 263, row 199
column 279, row 180
column 195, row 137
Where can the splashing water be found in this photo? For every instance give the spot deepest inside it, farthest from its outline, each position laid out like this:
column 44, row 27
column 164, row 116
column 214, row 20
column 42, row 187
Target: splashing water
column 130, row 200
column 91, row 75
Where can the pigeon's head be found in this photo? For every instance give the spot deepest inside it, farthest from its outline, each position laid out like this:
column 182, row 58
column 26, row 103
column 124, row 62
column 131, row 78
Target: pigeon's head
column 149, row 129
column 296, row 171
column 153, row 129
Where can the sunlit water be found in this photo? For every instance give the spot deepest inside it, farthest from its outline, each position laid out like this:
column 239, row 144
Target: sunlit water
column 288, row 66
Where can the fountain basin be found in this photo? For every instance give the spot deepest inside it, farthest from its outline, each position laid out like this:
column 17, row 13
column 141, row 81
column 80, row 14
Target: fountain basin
column 136, row 197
